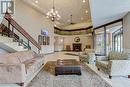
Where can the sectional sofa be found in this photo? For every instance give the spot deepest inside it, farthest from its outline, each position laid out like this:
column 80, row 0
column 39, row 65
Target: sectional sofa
column 20, row 67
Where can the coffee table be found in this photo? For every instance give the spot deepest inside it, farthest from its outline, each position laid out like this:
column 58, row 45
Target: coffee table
column 67, row 67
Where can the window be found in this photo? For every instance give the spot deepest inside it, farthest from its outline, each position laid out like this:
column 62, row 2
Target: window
column 117, row 40
column 108, row 38
column 99, row 41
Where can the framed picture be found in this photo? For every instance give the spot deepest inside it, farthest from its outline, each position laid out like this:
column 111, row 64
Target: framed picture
column 40, row 38
column 43, row 40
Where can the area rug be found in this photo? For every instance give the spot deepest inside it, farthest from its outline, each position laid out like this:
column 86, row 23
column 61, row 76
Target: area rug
column 46, row 78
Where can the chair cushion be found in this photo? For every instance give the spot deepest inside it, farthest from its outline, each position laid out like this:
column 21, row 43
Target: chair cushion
column 84, row 56
column 118, row 56
column 89, row 51
column 103, row 64
column 25, row 55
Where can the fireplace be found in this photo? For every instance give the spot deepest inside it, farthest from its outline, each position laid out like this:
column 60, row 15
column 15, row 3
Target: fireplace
column 77, row 47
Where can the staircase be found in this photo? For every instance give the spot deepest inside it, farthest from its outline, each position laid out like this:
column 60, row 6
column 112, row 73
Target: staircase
column 14, row 38
column 9, row 45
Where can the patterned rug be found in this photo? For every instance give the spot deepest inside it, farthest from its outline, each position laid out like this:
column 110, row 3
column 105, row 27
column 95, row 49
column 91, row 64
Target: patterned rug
column 46, row 78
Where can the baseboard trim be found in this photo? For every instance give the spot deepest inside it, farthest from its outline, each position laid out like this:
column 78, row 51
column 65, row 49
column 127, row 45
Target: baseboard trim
column 49, row 53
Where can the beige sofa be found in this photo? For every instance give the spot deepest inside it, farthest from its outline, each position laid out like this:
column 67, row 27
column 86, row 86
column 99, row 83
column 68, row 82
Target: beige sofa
column 88, row 56
column 20, row 67
column 115, row 64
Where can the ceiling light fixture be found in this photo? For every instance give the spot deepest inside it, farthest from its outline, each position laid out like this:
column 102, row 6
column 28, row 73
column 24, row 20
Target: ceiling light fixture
column 84, row 1
column 53, row 14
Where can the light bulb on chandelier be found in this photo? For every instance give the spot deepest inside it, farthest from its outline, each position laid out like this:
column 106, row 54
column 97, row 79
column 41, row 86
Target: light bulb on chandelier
column 53, row 14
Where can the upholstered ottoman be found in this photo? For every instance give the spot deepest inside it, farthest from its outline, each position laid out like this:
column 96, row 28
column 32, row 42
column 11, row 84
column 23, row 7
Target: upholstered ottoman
column 69, row 66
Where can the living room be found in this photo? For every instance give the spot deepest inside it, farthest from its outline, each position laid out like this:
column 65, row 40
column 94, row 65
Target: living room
column 59, row 43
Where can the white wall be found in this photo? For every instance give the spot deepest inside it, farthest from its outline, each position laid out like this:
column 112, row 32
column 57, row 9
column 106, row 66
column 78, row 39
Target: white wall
column 126, row 32
column 1, row 17
column 105, row 11
column 84, row 40
column 33, row 21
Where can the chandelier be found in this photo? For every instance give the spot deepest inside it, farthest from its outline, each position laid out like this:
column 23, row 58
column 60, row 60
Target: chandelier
column 53, row 14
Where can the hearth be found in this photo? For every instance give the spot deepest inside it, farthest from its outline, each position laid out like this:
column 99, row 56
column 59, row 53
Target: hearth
column 77, row 47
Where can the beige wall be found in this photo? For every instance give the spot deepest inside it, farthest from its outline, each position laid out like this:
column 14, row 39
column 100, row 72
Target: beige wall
column 33, row 21
column 84, row 40
column 126, row 32
column 59, row 43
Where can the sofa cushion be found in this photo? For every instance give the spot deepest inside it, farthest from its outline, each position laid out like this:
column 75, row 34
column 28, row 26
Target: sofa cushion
column 17, row 57
column 13, row 58
column 3, row 58
column 25, row 55
column 29, row 66
column 38, row 55
column 9, row 58
column 32, row 65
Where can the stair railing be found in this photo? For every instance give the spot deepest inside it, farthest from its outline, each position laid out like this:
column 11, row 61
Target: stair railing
column 19, row 34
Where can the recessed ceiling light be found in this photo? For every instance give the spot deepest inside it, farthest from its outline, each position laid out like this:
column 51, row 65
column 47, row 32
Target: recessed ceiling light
column 55, row 25
column 86, row 11
column 84, row 1
column 36, row 1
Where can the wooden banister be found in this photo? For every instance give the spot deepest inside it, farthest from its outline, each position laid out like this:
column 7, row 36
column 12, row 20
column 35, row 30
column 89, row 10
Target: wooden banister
column 21, row 30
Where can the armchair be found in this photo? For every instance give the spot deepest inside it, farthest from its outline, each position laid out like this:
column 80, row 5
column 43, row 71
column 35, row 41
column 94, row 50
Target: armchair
column 88, row 56
column 116, row 64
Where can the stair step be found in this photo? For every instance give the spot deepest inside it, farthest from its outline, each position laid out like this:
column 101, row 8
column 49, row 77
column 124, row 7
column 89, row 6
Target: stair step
column 12, row 47
column 6, row 39
column 15, row 45
column 8, row 44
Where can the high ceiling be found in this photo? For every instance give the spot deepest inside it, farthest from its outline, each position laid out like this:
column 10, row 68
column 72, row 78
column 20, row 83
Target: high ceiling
column 66, row 8
column 105, row 11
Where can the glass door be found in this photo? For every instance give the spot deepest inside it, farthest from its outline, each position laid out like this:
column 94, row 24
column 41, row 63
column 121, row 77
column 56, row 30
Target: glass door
column 108, row 38
column 117, row 40
column 99, row 43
